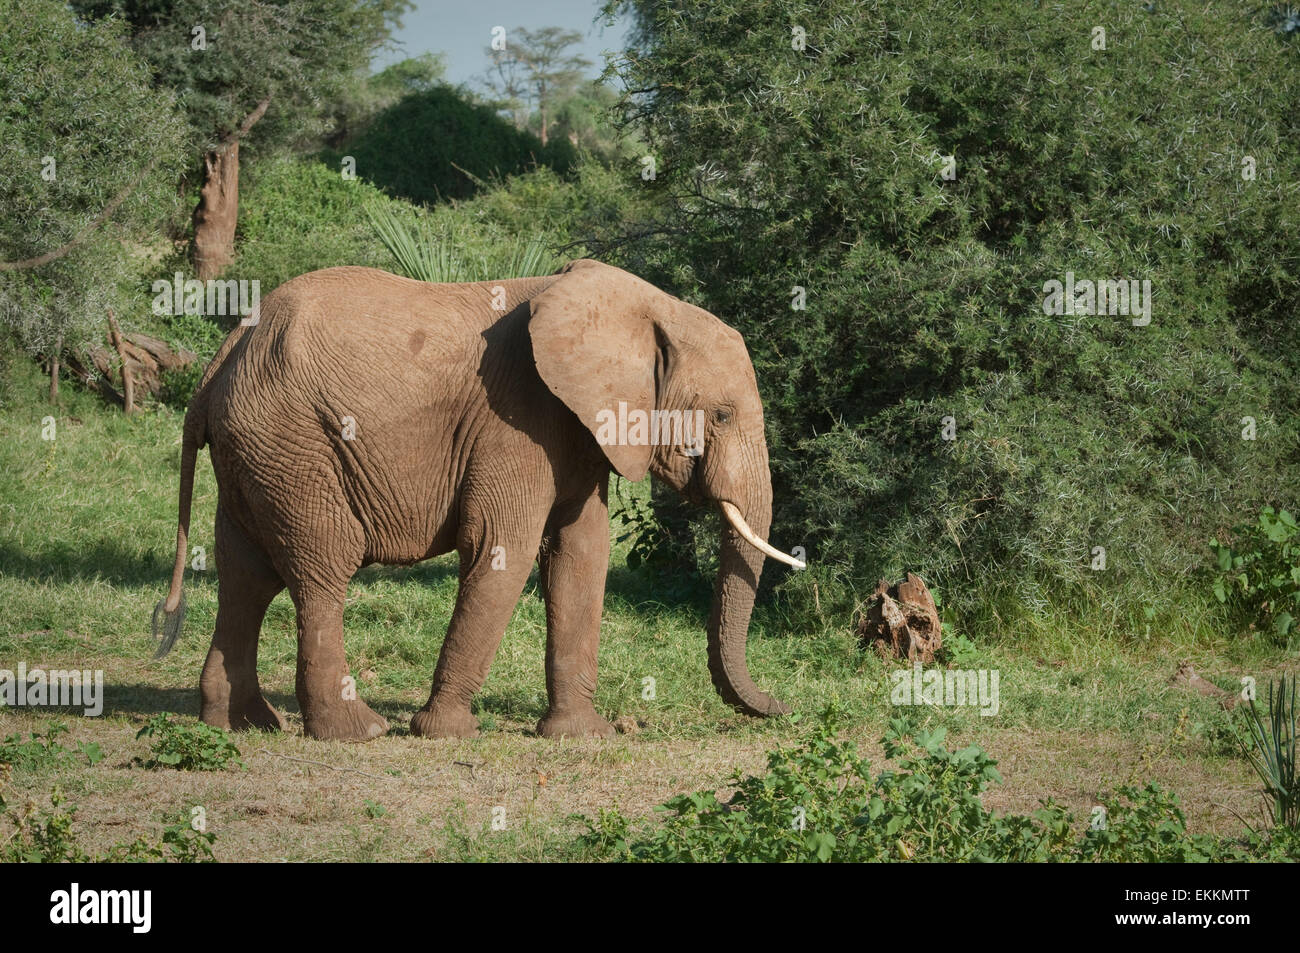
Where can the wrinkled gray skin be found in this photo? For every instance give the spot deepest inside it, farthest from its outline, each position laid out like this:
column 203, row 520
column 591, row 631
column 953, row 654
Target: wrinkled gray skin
column 367, row 418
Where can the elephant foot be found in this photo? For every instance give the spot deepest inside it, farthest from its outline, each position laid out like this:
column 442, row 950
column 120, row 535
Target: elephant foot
column 258, row 714
column 444, row 721
column 349, row 721
column 580, row 723
column 251, row 713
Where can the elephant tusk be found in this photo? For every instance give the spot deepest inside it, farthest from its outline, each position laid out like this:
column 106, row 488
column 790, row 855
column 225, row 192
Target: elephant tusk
column 737, row 521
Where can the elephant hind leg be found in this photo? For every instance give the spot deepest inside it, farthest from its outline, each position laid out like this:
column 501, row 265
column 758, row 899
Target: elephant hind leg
column 246, row 583
column 327, row 693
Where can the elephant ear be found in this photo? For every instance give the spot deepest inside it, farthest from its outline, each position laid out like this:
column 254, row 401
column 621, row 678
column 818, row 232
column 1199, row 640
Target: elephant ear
column 594, row 346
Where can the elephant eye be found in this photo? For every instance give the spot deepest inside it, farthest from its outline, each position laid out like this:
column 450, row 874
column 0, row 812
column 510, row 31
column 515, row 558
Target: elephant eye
column 721, row 417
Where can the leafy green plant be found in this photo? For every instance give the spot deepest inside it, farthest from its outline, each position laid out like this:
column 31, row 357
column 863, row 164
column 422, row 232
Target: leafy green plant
column 38, row 751
column 1272, row 750
column 40, row 836
column 820, row 802
column 43, row 751
column 1146, row 825
column 425, row 255
column 46, row 836
column 180, row 844
column 650, row 541
column 374, row 809
column 196, row 747
column 1259, row 575
column 179, row 384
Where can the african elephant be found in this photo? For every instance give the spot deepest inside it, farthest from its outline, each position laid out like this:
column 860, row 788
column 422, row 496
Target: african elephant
column 367, row 418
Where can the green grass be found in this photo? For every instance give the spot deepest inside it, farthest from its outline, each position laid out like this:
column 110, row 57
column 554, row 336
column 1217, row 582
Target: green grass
column 87, row 525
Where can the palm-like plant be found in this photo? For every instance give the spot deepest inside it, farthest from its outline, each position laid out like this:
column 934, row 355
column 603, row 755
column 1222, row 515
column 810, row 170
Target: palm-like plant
column 422, row 253
column 1272, row 750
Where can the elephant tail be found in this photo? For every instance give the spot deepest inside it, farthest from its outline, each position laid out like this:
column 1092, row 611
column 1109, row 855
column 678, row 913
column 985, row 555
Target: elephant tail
column 169, row 613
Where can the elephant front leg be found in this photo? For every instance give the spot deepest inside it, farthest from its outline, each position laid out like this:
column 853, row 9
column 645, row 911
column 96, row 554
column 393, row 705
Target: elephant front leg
column 492, row 576
column 573, row 567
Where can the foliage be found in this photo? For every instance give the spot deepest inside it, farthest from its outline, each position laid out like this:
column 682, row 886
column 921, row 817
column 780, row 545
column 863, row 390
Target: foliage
column 41, row 836
column 196, row 747
column 424, row 255
column 298, row 216
column 822, row 168
column 820, row 803
column 1259, row 573
column 649, row 541
column 536, row 67
column 368, row 94
column 586, row 117
column 1146, row 825
column 77, row 133
column 436, row 144
column 43, row 751
column 1272, row 750
column 296, row 54
column 179, row 384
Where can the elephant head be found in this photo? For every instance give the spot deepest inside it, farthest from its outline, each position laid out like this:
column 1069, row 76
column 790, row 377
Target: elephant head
column 666, row 387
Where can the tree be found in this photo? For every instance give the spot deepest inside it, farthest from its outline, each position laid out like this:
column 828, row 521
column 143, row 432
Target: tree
column 265, row 69
column 90, row 151
column 436, row 144
column 585, row 117
column 876, row 194
column 536, row 68
column 369, row 94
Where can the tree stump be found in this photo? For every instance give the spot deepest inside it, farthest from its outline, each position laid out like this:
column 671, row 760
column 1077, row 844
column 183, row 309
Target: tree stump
column 901, row 621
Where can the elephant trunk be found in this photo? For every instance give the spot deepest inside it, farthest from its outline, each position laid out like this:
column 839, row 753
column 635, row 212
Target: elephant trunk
column 739, row 569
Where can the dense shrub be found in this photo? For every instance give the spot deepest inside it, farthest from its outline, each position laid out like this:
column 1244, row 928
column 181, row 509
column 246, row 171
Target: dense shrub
column 300, row 215
column 433, row 144
column 820, row 802
column 1259, row 573
column 824, row 168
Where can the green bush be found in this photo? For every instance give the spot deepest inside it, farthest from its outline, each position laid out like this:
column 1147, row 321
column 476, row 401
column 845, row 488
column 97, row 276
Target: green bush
column 822, row 168
column 300, row 215
column 434, row 145
column 296, row 216
column 43, row 751
column 196, row 747
column 1259, row 573
column 820, row 802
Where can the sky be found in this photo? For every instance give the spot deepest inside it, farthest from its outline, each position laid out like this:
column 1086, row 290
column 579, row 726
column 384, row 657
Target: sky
column 462, row 29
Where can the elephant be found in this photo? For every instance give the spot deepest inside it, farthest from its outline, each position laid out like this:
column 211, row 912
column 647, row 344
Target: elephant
column 361, row 417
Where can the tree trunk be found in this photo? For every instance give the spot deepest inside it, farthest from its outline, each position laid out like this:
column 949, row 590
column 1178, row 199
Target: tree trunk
column 218, row 208
column 54, row 372
column 217, row 212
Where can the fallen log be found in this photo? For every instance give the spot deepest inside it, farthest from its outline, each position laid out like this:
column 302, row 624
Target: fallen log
column 147, row 359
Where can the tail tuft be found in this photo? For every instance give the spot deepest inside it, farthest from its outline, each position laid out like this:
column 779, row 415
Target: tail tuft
column 167, row 625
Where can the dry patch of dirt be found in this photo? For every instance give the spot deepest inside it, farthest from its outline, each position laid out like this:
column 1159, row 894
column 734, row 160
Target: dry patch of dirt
column 300, row 799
